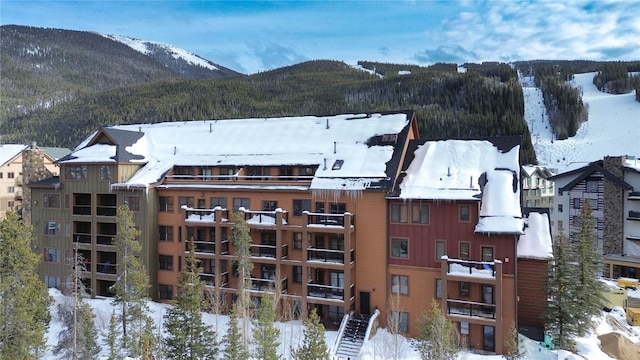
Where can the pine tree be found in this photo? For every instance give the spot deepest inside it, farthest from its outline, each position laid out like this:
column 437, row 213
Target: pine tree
column 589, row 298
column 562, row 312
column 313, row 346
column 132, row 286
column 188, row 337
column 233, row 347
column 437, row 336
column 111, row 338
column 77, row 338
column 242, row 244
column 24, row 298
column 265, row 334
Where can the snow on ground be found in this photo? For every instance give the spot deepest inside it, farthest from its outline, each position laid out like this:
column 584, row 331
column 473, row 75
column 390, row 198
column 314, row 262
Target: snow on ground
column 379, row 347
column 613, row 127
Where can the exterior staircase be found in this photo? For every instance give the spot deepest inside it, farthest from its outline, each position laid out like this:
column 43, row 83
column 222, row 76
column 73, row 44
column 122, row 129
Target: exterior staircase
column 353, row 337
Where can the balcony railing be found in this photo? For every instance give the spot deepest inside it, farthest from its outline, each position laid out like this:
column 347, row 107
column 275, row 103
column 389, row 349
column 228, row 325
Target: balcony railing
column 106, row 211
column 327, row 255
column 634, row 215
column 635, row 195
column 471, row 309
column 258, row 284
column 323, row 219
column 479, row 269
column 82, row 238
column 208, row 247
column 82, row 210
column 325, row 291
column 106, row 268
column 210, row 279
column 104, row 239
column 264, row 217
column 205, row 215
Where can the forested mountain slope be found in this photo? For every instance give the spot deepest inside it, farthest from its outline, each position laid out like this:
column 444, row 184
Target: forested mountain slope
column 448, row 104
column 41, row 68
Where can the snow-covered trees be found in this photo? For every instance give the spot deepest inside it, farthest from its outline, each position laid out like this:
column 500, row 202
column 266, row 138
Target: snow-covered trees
column 437, row 336
column 188, row 337
column 313, row 345
column 132, row 286
column 24, row 299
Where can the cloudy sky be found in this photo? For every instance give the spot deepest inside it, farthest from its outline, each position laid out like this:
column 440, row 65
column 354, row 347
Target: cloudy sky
column 252, row 36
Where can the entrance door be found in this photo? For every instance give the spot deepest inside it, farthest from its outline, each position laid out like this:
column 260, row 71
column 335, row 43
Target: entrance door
column 488, row 343
column 365, row 306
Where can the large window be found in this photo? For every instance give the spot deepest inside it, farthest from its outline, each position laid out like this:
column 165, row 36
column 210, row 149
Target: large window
column 165, row 292
column 189, row 201
column 592, row 185
column 52, row 255
column 400, row 284
column 399, row 248
column 441, row 249
column 400, row 321
column 165, row 262
column 465, row 213
column 241, row 203
column 51, row 228
column 301, row 205
column 51, row 201
column 132, row 202
column 75, row 172
column 166, row 203
column 420, row 214
column 52, row 281
column 269, row 205
column 399, row 213
column 166, row 233
column 219, row 201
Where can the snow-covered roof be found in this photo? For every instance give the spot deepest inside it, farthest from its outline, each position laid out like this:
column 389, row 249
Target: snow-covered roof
column 350, row 151
column 535, row 243
column 9, row 151
column 469, row 170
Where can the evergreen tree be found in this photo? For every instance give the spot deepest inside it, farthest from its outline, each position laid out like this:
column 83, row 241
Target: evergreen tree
column 437, row 336
column 111, row 338
column 265, row 334
column 513, row 344
column 233, row 347
column 132, row 285
column 242, row 244
column 188, row 337
column 24, row 298
column 562, row 312
column 313, row 346
column 77, row 338
column 589, row 298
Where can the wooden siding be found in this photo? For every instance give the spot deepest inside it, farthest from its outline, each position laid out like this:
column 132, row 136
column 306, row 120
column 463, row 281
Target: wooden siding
column 532, row 291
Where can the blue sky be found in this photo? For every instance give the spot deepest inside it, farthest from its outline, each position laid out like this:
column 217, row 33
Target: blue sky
column 252, row 36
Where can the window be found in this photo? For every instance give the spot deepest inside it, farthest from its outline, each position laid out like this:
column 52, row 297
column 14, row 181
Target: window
column 0, row 175
column 297, row 274
column 11, row 189
column 465, row 288
column 166, row 233
column 576, row 203
column 258, row 172
column 487, row 253
column 560, row 224
column 205, row 173
column 165, row 292
column 10, row 204
column 165, row 262
column 400, row 284
column 67, row 229
column 338, row 208
column 52, row 281
column 166, row 203
column 185, row 201
column 465, row 213
column 400, row 248
column 464, row 328
column 420, row 214
column 227, row 173
column 464, row 250
column 320, row 207
column 183, row 171
column 240, row 203
column 75, row 172
column 399, row 213
column 218, row 201
column 400, row 321
column 105, row 172
column 301, row 205
column 201, row 204
column 592, row 186
column 132, row 202
column 305, row 171
column 286, row 173
column 337, row 279
column 594, row 204
column 10, row 175
column 297, row 240
column 440, row 249
column 67, row 257
column 336, row 242
column 51, row 201
column 438, row 288
column 51, row 228
column 559, row 208
column 269, row 205
column 52, row 255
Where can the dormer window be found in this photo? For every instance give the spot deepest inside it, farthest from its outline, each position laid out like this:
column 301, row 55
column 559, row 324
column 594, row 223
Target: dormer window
column 337, row 165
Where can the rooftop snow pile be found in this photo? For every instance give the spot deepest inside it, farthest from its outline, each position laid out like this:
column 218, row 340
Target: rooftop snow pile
column 535, row 243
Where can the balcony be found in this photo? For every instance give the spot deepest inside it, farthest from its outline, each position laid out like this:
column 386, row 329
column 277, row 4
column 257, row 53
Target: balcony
column 471, row 309
column 264, row 217
column 107, row 263
column 210, row 279
column 208, row 247
column 204, row 215
column 634, row 215
column 269, row 251
column 327, row 255
column 329, row 220
column 82, row 238
column 18, row 195
column 258, row 284
column 107, row 205
column 327, row 291
column 470, row 269
column 81, row 204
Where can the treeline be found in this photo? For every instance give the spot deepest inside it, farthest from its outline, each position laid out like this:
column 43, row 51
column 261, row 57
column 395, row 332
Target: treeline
column 447, row 103
column 562, row 101
column 614, row 78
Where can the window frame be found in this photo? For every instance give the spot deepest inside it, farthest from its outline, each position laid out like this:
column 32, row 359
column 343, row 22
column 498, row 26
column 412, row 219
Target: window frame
column 165, row 203
column 443, row 251
column 465, row 289
column 466, row 244
column 47, row 199
column 461, row 217
column 51, row 255
column 296, row 274
column 132, row 202
column 396, row 248
column 165, row 262
column 297, row 240
column 106, row 173
column 239, row 202
column 399, row 213
column 419, row 209
column 75, row 172
column 216, row 201
column 47, row 227
column 299, row 206
column 403, row 289
column 438, row 288
column 483, row 254
column 166, row 235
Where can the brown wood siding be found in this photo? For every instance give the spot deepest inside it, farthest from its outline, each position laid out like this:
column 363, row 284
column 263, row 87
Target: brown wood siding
column 532, row 291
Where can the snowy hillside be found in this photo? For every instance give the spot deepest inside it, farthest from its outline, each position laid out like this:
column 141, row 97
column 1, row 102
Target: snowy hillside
column 613, row 127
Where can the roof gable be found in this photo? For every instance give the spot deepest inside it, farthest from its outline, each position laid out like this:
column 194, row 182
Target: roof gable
column 585, row 172
column 8, row 152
